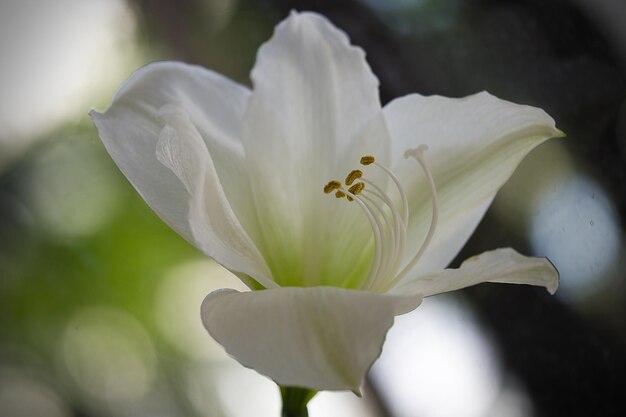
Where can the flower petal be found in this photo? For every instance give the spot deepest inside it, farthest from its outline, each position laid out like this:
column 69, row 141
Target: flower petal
column 214, row 226
column 475, row 143
column 315, row 337
column 305, row 124
column 503, row 265
column 131, row 127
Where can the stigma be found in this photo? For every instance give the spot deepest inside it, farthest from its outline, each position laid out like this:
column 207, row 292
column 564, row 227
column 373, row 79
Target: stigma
column 388, row 220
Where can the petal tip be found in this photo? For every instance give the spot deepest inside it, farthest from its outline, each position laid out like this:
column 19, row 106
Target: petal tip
column 553, row 285
column 99, row 121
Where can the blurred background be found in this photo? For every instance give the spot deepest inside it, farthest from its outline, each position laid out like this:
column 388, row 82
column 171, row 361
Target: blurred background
column 99, row 300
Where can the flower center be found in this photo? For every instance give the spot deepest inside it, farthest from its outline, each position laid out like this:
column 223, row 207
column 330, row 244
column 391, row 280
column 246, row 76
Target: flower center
column 389, row 224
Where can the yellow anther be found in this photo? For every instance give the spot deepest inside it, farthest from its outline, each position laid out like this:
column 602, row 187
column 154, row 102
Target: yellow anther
column 340, row 194
column 367, row 160
column 332, row 186
column 353, row 175
column 357, row 188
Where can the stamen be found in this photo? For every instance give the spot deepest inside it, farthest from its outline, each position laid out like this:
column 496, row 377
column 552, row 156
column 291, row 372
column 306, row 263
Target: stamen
column 389, row 239
column 352, row 176
column 389, row 226
column 332, row 186
column 374, row 269
column 367, row 160
column 405, row 201
column 399, row 230
column 401, row 223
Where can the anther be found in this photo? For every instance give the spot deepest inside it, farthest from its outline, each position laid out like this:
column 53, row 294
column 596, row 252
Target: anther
column 367, row 160
column 340, row 194
column 357, row 188
column 353, row 176
column 332, row 186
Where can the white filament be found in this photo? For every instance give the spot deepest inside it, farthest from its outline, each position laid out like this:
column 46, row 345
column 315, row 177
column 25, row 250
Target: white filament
column 373, row 272
column 398, row 234
column 405, row 202
column 389, row 241
column 418, row 154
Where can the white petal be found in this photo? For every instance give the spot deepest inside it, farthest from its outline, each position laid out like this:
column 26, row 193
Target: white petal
column 501, row 265
column 214, row 226
column 314, row 95
column 131, row 127
column 475, row 144
column 315, row 337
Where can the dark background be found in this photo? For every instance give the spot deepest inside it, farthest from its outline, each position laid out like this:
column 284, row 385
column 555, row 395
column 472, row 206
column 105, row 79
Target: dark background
column 85, row 265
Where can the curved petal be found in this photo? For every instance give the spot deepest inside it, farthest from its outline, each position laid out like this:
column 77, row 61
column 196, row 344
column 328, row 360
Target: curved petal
column 475, row 143
column 131, row 127
column 316, row 337
column 214, row 226
column 314, row 95
column 503, row 265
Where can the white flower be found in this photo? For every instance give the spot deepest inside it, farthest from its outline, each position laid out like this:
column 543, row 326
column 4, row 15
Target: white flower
column 240, row 174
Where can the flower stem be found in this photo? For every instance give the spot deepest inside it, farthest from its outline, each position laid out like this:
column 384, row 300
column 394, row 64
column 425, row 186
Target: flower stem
column 295, row 401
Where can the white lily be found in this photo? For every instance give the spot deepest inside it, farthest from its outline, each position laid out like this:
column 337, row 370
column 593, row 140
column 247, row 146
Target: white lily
column 240, row 174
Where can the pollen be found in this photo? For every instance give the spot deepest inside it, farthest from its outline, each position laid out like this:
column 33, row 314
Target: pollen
column 353, row 175
column 340, row 194
column 367, row 160
column 357, row 188
column 332, row 186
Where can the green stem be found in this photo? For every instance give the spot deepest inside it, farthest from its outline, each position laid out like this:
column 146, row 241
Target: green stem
column 295, row 401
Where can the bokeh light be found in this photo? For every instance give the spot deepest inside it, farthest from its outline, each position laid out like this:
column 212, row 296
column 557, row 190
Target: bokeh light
column 240, row 391
column 72, row 191
column 178, row 301
column 576, row 227
column 23, row 395
column 437, row 362
column 61, row 55
column 109, row 355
